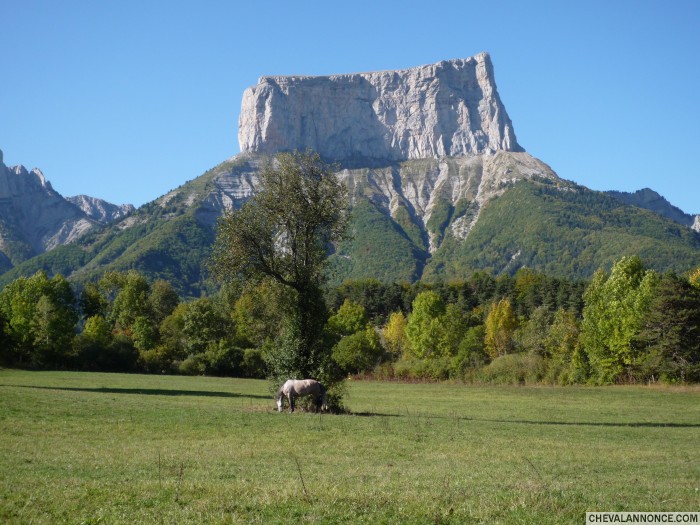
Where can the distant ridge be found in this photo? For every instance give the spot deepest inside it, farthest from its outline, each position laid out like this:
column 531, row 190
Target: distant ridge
column 649, row 199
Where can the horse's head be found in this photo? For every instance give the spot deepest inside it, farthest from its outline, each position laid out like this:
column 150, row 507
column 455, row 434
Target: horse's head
column 280, row 401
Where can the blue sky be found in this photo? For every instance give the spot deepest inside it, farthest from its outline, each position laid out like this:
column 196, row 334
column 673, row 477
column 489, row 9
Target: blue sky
column 127, row 100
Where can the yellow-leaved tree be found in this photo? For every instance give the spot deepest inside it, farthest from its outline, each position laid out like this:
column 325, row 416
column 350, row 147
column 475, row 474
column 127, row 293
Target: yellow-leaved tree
column 500, row 326
column 394, row 333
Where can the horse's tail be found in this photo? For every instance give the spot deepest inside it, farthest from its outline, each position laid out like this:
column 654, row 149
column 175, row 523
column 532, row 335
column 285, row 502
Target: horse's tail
column 324, row 398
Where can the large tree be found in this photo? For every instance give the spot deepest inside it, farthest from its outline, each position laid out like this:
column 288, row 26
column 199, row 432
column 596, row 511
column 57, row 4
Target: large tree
column 669, row 339
column 615, row 305
column 424, row 328
column 40, row 315
column 283, row 234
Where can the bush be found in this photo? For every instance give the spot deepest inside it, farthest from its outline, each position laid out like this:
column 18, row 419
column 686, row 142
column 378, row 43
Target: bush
column 254, row 363
column 358, row 352
column 220, row 359
column 514, row 369
column 223, row 359
column 94, row 355
column 434, row 369
column 471, row 354
column 159, row 360
column 193, row 365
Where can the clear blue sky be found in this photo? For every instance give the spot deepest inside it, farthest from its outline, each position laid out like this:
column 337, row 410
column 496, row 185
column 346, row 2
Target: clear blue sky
column 125, row 100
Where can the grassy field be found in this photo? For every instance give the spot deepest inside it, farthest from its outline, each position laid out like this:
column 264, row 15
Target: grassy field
column 109, row 448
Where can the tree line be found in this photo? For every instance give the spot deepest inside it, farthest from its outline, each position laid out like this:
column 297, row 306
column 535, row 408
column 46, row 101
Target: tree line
column 630, row 324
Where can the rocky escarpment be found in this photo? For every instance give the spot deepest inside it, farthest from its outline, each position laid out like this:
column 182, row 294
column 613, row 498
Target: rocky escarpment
column 696, row 224
column 417, row 139
column 451, row 108
column 34, row 217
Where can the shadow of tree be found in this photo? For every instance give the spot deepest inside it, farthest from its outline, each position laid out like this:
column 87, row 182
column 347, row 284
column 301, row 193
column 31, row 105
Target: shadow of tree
column 148, row 391
column 629, row 424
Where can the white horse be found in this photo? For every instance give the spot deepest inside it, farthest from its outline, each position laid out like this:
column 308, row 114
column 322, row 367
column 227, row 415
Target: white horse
column 293, row 388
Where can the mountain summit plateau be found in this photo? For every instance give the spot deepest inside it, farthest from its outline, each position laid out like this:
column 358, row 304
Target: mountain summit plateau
column 450, row 108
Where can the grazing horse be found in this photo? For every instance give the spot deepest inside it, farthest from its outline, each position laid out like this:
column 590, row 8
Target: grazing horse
column 302, row 387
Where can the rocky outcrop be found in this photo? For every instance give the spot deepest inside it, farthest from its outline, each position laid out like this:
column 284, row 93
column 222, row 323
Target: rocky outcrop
column 696, row 224
column 101, row 210
column 233, row 183
column 451, row 108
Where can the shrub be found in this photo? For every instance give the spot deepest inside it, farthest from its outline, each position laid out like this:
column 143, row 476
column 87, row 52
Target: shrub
column 358, row 352
column 435, row 369
column 220, row 359
column 193, row 365
column 223, row 359
column 253, row 363
column 514, row 369
column 470, row 354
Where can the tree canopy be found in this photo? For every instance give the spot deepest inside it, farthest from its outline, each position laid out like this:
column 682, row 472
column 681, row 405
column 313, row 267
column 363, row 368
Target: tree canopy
column 284, row 234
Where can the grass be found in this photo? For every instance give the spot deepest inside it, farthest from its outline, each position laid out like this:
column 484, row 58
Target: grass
column 110, row 448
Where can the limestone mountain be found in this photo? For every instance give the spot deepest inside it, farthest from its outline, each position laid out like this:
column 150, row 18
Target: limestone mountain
column 448, row 109
column 34, row 218
column 438, row 183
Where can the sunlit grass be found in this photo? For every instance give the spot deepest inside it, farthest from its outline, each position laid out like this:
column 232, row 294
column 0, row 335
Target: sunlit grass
column 109, row 448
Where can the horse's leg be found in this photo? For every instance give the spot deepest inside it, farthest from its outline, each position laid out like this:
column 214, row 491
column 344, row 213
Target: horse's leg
column 291, row 402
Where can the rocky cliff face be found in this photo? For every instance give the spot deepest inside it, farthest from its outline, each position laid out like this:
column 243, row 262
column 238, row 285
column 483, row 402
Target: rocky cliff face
column 34, row 218
column 33, row 215
column 413, row 140
column 451, row 108
column 696, row 224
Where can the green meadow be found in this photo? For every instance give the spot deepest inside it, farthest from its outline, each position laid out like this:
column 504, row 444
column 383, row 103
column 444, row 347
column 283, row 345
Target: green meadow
column 111, row 448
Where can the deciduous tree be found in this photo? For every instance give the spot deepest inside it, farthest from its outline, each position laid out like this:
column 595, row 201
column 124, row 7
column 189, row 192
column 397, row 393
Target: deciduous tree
column 284, row 233
column 394, row 334
column 500, row 326
column 612, row 316
column 424, row 328
column 41, row 318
